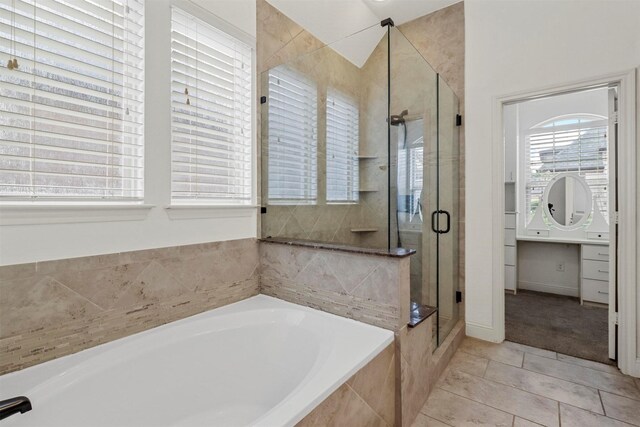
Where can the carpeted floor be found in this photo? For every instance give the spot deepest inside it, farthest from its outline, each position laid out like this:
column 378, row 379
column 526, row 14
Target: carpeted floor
column 557, row 323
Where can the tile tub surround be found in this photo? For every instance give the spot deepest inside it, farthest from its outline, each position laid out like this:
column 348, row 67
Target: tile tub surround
column 55, row 308
column 366, row 399
column 371, row 289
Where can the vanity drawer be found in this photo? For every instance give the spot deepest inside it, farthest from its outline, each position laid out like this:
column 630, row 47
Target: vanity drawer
column 595, row 252
column 510, row 255
column 595, row 291
column 596, row 270
column 510, row 220
column 510, row 237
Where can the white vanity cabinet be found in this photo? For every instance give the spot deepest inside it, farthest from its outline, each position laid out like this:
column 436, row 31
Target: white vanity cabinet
column 594, row 280
column 510, row 252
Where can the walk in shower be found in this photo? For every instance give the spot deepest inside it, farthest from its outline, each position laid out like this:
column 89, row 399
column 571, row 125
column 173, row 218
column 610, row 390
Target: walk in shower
column 359, row 146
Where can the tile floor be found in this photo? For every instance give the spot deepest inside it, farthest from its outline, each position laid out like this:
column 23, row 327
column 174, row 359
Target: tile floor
column 511, row 384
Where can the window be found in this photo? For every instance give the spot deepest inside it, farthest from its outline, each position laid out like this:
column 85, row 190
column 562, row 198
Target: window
column 211, row 114
column 71, row 102
column 292, row 177
column 342, row 148
column 410, row 166
column 566, row 144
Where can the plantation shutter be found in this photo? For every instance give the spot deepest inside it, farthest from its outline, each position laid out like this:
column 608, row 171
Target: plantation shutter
column 567, row 145
column 292, row 138
column 211, row 79
column 342, row 148
column 71, row 100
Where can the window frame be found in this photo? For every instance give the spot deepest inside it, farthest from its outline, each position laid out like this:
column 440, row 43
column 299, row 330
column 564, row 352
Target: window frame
column 525, row 162
column 192, row 209
column 354, row 174
column 313, row 199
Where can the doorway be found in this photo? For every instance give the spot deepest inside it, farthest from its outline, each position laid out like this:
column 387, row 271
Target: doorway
column 560, row 199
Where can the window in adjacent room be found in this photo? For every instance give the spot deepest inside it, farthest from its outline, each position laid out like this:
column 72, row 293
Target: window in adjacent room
column 572, row 143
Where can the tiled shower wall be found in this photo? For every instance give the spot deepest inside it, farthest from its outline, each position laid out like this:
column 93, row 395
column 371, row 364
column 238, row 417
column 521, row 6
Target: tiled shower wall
column 282, row 41
column 54, row 308
column 370, row 288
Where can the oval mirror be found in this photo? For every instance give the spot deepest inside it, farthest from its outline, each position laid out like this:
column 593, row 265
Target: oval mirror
column 567, row 201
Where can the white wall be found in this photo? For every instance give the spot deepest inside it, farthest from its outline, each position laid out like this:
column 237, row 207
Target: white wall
column 29, row 243
column 538, row 267
column 519, row 46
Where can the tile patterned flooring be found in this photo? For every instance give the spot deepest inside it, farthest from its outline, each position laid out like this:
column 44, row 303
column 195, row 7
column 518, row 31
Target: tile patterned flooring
column 512, row 384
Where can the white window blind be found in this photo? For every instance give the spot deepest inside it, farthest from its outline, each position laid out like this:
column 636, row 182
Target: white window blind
column 566, row 144
column 71, row 102
column 342, row 148
column 410, row 166
column 211, row 78
column 292, row 138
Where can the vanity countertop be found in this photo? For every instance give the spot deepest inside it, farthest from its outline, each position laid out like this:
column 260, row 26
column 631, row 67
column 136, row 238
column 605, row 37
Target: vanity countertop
column 576, row 241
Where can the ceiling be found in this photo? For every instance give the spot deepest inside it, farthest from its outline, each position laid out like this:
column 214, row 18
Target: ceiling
column 333, row 21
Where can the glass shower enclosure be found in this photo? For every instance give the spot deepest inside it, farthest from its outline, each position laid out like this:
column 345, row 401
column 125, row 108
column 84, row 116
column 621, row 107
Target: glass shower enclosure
column 359, row 146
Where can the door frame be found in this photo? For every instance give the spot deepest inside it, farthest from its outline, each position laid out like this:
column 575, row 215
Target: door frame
column 628, row 357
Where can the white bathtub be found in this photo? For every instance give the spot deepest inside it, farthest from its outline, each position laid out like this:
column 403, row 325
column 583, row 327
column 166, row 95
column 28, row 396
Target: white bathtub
column 261, row 361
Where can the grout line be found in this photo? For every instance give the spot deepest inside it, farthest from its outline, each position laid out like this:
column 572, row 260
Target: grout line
column 604, row 411
column 513, row 421
column 559, row 416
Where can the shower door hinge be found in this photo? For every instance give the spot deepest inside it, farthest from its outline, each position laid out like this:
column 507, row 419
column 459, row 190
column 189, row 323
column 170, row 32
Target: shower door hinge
column 458, row 296
column 458, row 120
column 386, row 22
column 263, row 100
column 615, row 318
column 616, row 217
column 263, row 209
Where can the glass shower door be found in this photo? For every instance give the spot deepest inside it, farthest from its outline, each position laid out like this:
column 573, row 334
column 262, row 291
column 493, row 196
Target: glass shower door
column 446, row 218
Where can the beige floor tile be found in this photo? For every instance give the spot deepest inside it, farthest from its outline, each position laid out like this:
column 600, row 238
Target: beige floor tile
column 503, row 397
column 613, row 383
column 528, row 349
column 575, row 417
column 424, row 421
column 521, row 422
column 543, row 385
column 589, row 364
column 497, row 352
column 468, row 363
column 621, row 408
column 458, row 411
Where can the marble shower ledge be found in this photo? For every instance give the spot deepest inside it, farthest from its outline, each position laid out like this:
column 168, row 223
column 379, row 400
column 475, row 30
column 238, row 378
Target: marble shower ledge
column 392, row 253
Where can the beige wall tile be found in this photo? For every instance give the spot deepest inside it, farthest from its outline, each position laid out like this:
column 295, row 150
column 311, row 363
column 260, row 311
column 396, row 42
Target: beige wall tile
column 69, row 305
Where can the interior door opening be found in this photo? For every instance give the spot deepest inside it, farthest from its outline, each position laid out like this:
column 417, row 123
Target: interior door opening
column 560, row 232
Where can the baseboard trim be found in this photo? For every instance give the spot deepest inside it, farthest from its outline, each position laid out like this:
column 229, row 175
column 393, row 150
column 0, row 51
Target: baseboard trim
column 550, row 289
column 481, row 332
